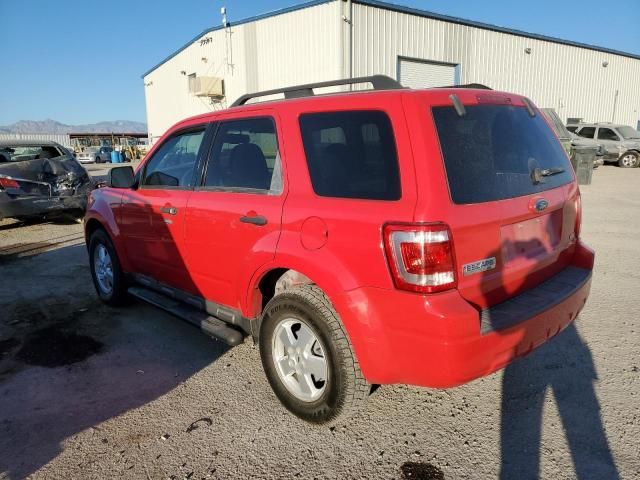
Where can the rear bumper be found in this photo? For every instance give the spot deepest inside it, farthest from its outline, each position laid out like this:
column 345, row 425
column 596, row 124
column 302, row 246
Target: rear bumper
column 33, row 205
column 443, row 341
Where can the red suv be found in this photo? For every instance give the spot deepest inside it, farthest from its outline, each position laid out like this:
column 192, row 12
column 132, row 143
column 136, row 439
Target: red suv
column 426, row 237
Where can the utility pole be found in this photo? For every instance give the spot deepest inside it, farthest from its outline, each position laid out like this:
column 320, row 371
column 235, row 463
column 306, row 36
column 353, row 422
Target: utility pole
column 615, row 106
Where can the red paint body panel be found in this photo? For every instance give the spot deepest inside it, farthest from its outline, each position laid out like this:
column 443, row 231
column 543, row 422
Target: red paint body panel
column 398, row 336
column 435, row 341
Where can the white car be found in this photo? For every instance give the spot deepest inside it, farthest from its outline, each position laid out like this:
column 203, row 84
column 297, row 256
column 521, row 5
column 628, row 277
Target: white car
column 88, row 155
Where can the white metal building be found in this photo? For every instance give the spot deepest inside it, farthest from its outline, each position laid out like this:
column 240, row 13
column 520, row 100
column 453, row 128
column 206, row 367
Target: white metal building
column 329, row 39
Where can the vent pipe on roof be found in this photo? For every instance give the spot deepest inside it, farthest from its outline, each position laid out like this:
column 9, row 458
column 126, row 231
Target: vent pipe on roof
column 346, row 23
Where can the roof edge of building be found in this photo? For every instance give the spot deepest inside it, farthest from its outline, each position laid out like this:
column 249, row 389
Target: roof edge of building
column 408, row 10
column 487, row 26
column 262, row 16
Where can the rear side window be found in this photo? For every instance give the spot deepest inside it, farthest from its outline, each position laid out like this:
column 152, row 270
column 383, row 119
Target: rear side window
column 351, row 154
column 245, row 156
column 587, row 132
column 496, row 152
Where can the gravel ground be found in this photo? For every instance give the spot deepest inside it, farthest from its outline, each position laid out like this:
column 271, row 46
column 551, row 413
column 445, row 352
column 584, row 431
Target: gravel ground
column 91, row 392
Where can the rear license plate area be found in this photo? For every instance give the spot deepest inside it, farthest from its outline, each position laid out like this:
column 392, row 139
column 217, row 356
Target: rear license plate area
column 533, row 238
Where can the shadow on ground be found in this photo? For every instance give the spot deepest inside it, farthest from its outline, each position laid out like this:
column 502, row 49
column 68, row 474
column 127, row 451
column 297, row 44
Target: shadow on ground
column 563, row 367
column 68, row 363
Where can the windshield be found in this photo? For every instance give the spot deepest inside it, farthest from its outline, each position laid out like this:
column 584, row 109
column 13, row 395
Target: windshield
column 628, row 133
column 495, row 152
column 28, row 152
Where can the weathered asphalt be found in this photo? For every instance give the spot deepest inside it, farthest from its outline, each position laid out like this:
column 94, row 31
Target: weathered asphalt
column 91, row 392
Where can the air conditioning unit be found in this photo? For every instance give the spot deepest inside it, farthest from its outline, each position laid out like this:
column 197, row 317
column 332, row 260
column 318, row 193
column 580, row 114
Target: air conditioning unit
column 206, row 87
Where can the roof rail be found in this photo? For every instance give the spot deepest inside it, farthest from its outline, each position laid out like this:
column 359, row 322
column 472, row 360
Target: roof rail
column 478, row 86
column 379, row 82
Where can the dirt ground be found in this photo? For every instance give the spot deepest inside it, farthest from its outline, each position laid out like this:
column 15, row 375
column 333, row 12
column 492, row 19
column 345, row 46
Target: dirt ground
column 87, row 391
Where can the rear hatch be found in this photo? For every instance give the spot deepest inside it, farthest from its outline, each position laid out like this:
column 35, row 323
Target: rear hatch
column 509, row 193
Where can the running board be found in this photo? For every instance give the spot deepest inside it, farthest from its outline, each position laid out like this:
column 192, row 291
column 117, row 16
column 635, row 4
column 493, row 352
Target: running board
column 212, row 326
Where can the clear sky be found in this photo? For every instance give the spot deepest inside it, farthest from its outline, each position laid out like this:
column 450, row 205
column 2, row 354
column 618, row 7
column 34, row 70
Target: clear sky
column 80, row 61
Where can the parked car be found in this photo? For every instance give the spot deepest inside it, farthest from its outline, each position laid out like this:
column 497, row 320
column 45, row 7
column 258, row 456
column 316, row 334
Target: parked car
column 424, row 237
column 41, row 179
column 95, row 154
column 621, row 142
column 569, row 139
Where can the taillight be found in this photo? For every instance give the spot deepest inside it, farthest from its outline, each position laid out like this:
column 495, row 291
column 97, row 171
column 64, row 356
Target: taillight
column 8, row 183
column 421, row 257
column 578, row 206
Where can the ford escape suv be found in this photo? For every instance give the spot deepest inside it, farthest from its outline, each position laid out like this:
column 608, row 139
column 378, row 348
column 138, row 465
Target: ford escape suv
column 425, row 237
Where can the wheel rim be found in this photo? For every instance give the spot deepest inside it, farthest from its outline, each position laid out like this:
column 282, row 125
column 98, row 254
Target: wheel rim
column 629, row 160
column 103, row 268
column 299, row 358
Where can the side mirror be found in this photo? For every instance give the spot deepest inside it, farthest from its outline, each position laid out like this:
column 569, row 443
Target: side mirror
column 121, row 177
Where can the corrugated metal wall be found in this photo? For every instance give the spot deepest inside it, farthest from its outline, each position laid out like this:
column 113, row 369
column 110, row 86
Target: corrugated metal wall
column 62, row 139
column 570, row 79
column 301, row 46
column 310, row 45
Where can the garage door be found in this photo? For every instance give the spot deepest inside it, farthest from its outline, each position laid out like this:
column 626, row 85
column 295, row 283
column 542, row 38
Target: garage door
column 419, row 74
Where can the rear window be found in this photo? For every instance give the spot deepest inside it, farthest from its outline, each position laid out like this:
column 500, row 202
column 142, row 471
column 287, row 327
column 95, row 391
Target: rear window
column 351, row 154
column 497, row 152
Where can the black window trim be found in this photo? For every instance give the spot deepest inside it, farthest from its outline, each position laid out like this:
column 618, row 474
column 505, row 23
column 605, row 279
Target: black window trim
column 395, row 145
column 215, row 129
column 206, row 128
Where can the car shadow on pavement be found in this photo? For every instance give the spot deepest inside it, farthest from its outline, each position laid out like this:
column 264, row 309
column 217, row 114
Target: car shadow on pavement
column 132, row 357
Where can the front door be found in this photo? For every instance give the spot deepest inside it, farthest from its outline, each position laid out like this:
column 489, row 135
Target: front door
column 610, row 141
column 153, row 215
column 233, row 221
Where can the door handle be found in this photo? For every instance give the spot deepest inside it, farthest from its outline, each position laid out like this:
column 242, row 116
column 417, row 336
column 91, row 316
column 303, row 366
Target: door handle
column 169, row 210
column 258, row 220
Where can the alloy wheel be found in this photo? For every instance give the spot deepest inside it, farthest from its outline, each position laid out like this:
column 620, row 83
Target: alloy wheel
column 299, row 358
column 103, row 268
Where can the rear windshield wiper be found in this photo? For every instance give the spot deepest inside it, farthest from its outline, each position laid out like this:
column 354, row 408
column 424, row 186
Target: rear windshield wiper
column 538, row 173
column 547, row 172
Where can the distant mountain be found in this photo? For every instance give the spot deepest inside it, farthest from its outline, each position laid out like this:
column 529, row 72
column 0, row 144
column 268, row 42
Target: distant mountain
column 51, row 126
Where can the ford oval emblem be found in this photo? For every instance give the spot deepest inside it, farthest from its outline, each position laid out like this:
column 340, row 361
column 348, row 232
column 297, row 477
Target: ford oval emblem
column 541, row 205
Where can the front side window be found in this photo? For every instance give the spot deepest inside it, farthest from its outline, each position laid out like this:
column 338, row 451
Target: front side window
column 607, row 134
column 174, row 162
column 245, row 156
column 351, row 154
column 587, row 132
column 495, row 152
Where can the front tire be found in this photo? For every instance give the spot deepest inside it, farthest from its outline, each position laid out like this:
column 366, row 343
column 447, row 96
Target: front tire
column 308, row 358
column 108, row 278
column 629, row 160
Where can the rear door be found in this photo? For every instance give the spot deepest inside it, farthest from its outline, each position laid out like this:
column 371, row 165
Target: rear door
column 234, row 216
column 507, row 191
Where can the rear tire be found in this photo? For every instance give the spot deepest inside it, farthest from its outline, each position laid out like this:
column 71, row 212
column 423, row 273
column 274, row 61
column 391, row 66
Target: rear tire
column 629, row 160
column 308, row 358
column 108, row 278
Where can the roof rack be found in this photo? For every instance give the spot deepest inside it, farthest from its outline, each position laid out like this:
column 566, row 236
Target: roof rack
column 478, row 86
column 379, row 82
